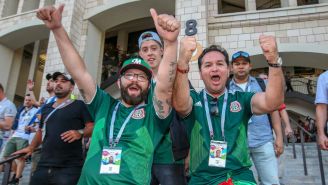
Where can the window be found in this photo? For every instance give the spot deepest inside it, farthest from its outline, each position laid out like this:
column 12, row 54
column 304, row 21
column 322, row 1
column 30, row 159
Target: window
column 30, row 5
column 10, row 8
column 49, row 2
column 267, row 4
column 231, row 6
column 110, row 59
column 306, row 2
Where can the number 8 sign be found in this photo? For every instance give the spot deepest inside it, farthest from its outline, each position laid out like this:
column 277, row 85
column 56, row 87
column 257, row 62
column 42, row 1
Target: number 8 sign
column 191, row 30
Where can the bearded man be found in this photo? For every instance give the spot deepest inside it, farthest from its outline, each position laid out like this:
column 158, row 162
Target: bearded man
column 63, row 124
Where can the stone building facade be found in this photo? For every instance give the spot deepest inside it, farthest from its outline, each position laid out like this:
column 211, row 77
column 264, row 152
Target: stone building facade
column 28, row 50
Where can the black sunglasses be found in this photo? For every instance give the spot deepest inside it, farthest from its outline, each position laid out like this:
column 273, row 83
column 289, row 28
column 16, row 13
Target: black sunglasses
column 214, row 109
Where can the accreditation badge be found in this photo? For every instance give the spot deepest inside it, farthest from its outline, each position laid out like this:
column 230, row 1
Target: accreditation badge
column 218, row 154
column 110, row 160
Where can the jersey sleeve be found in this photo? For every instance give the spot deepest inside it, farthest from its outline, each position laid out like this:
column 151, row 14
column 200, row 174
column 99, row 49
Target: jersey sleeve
column 10, row 111
column 96, row 103
column 247, row 97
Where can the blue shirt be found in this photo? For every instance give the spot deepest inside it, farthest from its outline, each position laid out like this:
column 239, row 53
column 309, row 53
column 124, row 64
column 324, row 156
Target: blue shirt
column 259, row 128
column 322, row 89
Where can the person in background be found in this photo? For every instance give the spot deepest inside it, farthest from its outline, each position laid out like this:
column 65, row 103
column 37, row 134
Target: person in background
column 265, row 147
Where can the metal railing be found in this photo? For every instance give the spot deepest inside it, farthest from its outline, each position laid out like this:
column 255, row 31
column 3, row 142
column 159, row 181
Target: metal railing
column 302, row 132
column 304, row 85
column 7, row 166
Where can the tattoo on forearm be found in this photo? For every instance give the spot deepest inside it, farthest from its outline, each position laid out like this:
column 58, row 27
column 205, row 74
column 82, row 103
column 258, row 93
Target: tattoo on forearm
column 172, row 71
column 83, row 94
column 158, row 107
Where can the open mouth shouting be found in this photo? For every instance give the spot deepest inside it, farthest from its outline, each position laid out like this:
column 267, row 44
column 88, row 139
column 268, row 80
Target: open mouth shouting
column 134, row 90
column 215, row 78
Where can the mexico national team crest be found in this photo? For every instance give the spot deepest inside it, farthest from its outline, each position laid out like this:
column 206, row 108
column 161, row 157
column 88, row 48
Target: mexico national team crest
column 139, row 114
column 235, row 106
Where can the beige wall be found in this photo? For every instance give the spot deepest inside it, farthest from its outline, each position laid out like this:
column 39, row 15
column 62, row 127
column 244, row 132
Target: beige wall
column 297, row 28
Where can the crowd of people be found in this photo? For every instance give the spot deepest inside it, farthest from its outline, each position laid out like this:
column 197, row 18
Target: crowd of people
column 161, row 129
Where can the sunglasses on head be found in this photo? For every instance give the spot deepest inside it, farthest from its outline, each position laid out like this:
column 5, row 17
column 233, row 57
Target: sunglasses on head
column 239, row 54
column 214, row 109
column 146, row 35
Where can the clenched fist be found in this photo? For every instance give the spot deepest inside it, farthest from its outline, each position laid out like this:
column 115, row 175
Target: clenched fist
column 269, row 47
column 51, row 16
column 187, row 46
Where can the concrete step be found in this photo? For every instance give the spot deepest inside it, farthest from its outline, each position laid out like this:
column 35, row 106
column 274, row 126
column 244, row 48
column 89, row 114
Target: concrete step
column 294, row 169
column 299, row 180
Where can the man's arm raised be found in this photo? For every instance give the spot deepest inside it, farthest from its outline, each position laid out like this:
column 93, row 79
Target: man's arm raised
column 73, row 62
column 168, row 28
column 182, row 102
column 273, row 96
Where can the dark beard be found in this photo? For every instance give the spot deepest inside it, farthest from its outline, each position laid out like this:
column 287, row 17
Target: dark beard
column 62, row 94
column 133, row 100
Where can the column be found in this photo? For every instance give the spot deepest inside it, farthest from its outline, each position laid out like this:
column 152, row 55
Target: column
column 94, row 50
column 6, row 62
column 250, row 5
column 35, row 57
column 13, row 71
column 20, row 6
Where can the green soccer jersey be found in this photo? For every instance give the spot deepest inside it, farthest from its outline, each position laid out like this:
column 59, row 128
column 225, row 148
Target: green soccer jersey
column 140, row 137
column 163, row 153
column 238, row 112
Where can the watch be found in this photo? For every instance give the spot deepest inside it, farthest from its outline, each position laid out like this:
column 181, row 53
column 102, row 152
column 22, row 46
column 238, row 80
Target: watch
column 81, row 131
column 277, row 64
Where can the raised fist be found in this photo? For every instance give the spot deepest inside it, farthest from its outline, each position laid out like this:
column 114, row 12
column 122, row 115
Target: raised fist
column 269, row 47
column 51, row 16
column 187, row 46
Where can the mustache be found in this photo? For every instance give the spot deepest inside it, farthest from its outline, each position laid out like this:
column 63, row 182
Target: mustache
column 134, row 84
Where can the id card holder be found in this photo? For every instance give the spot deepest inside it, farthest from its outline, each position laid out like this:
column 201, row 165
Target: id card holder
column 110, row 160
column 218, row 154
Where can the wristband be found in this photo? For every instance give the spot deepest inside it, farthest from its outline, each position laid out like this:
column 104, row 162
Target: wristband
column 183, row 71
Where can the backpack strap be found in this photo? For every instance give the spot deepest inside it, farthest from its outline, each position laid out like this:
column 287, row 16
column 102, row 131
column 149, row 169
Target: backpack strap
column 262, row 84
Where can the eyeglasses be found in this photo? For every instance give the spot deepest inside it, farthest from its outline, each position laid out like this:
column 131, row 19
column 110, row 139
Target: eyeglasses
column 214, row 110
column 240, row 53
column 140, row 77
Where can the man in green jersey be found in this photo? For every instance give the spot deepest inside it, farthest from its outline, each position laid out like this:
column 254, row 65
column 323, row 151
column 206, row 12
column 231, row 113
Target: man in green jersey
column 126, row 132
column 216, row 120
column 165, row 170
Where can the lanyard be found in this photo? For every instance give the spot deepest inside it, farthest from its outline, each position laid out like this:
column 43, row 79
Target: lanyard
column 111, row 130
column 209, row 120
column 65, row 103
column 50, row 100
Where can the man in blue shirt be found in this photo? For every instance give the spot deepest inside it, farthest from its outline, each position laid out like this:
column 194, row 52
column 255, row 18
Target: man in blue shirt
column 20, row 136
column 263, row 151
column 321, row 101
